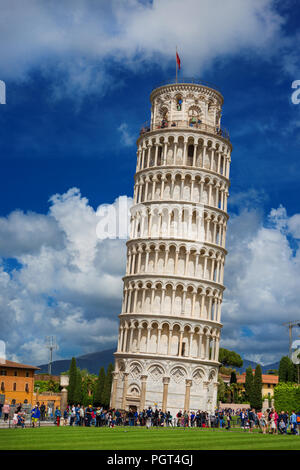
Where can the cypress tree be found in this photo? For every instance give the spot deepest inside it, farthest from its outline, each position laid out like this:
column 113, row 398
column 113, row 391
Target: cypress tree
column 291, row 371
column 107, row 386
column 99, row 387
column 249, row 383
column 286, row 370
column 86, row 400
column 72, row 381
column 256, row 397
column 78, row 388
column 283, row 369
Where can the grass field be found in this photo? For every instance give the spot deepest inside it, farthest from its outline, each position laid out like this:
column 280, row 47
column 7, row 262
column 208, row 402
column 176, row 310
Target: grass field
column 74, row 438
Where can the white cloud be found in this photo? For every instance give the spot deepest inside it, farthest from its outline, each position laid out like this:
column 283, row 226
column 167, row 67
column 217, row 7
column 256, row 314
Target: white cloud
column 22, row 233
column 82, row 40
column 71, row 287
column 127, row 139
column 262, row 279
column 70, row 284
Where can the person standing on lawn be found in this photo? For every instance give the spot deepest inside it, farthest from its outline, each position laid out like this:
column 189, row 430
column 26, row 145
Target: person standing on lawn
column 228, row 420
column 251, row 418
column 35, row 415
column 5, row 410
column 57, row 415
column 43, row 411
column 293, row 422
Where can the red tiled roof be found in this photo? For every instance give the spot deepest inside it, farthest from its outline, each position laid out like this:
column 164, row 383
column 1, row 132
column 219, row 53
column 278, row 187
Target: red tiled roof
column 266, row 379
column 16, row 365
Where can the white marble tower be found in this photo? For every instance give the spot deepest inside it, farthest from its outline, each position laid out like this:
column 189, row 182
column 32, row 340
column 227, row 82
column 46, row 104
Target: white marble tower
column 170, row 323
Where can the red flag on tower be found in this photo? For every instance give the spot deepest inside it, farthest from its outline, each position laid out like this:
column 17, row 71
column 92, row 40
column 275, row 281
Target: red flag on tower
column 178, row 60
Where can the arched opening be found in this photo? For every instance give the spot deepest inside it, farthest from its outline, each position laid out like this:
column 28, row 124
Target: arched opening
column 190, row 155
column 179, row 102
column 159, row 156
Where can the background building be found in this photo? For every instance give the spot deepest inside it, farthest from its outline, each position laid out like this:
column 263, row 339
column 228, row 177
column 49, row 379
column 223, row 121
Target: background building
column 269, row 382
column 17, row 381
column 170, row 323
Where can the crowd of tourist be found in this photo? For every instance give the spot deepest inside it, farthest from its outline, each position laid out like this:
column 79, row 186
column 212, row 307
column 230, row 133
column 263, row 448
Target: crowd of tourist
column 268, row 421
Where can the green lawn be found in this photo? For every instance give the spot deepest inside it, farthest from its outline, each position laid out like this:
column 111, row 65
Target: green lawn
column 73, row 438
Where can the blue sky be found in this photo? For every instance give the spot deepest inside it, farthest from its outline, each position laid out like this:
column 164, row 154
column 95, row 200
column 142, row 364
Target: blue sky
column 78, row 78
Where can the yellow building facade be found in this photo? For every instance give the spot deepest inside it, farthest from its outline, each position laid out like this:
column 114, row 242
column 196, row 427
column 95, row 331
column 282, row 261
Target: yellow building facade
column 16, row 382
column 269, row 382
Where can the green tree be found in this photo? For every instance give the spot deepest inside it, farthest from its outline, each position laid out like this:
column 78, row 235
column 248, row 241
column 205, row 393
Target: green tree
column 230, row 358
column 72, row 381
column 286, row 370
column 78, row 388
column 85, row 398
column 249, row 384
column 107, row 386
column 256, row 396
column 99, row 387
column 233, row 377
column 287, row 397
column 292, row 372
column 221, row 390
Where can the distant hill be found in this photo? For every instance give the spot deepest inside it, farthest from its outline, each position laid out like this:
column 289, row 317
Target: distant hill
column 264, row 369
column 93, row 361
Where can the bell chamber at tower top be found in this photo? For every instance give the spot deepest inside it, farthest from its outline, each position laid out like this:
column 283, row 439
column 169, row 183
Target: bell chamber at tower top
column 186, row 105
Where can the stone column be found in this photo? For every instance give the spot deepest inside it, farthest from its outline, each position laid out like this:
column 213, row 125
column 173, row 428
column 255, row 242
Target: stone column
column 217, row 349
column 125, row 339
column 114, row 389
column 147, row 260
column 204, row 154
column 143, row 391
column 202, row 305
column 184, row 152
column 170, row 342
column 154, row 180
column 209, row 193
column 212, row 156
column 63, row 399
column 125, row 385
column 188, row 384
column 156, row 154
column 148, row 339
column 180, row 343
column 191, row 343
column 166, row 381
column 139, row 338
column 158, row 339
column 209, row 313
column 217, row 200
column 200, row 345
column 205, row 266
column 175, row 152
column 207, row 346
column 162, row 187
column 193, row 304
column 120, row 343
column 212, row 269
column 176, row 260
column 194, row 154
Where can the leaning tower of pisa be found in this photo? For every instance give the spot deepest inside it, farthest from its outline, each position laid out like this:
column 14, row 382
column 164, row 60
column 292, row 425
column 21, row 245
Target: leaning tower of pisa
column 170, row 324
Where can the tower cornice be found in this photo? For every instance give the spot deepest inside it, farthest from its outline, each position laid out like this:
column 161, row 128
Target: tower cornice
column 173, row 278
column 192, row 87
